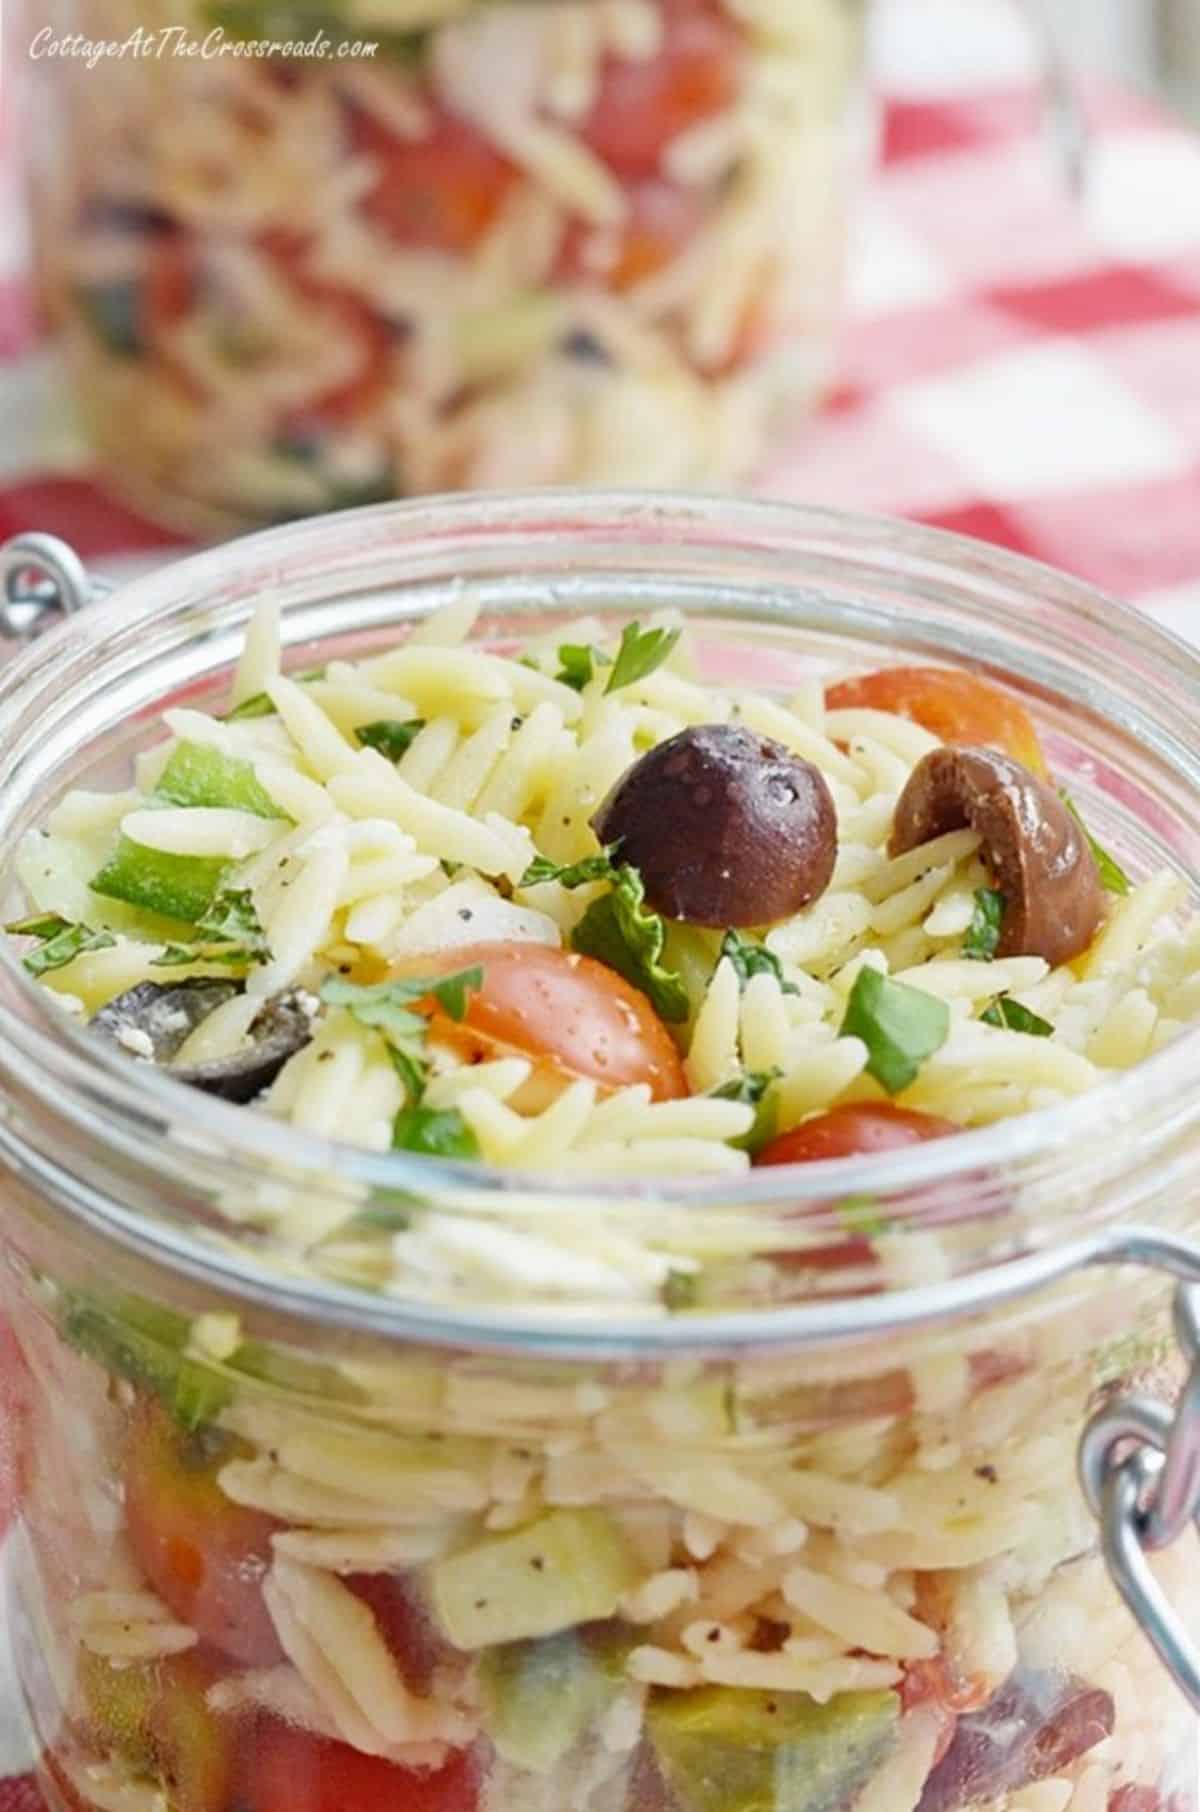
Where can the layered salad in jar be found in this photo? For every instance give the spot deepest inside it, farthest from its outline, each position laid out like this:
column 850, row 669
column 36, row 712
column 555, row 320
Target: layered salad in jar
column 474, row 242
column 569, row 908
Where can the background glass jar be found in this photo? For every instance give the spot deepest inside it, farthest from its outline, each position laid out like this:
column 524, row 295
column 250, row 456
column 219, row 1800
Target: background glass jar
column 588, row 241
column 291, row 1541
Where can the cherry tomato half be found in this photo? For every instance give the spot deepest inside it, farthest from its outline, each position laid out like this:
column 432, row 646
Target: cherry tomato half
column 571, row 1014
column 953, row 706
column 205, row 1556
column 288, row 1770
column 441, row 192
column 855, row 1130
column 643, row 103
column 661, row 219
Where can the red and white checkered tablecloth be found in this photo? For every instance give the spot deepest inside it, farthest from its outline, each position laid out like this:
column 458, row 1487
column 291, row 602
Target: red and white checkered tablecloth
column 1015, row 365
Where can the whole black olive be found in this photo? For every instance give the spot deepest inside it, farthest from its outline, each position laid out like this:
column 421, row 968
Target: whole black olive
column 726, row 827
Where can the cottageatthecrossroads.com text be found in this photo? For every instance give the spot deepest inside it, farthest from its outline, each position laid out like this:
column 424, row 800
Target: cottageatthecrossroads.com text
column 143, row 44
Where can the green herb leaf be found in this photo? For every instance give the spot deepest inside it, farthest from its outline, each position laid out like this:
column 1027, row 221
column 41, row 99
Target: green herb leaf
column 987, row 924
column 861, row 1214
column 749, row 958
column 753, row 1088
column 1113, row 878
column 680, row 1291
column 386, row 1007
column 228, row 932
column 440, row 1133
column 641, row 651
column 61, row 942
column 259, row 705
column 577, row 663
column 115, row 312
column 451, row 991
column 409, row 1063
column 391, row 737
column 900, row 1026
column 617, row 929
column 139, row 1341
column 571, row 874
column 40, row 924
column 1011, row 1015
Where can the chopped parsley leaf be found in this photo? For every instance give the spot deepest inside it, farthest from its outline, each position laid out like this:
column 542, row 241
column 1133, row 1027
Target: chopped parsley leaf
column 987, row 924
column 641, row 651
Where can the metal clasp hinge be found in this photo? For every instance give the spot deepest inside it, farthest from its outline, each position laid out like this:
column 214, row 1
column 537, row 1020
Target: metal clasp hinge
column 42, row 581
column 1139, row 1465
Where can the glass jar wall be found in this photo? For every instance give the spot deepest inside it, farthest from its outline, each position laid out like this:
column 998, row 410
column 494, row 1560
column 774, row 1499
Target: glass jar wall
column 581, row 242
column 295, row 1539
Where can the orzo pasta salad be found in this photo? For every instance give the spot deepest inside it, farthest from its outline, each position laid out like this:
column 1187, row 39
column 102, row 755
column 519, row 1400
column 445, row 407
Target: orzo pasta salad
column 531, row 241
column 567, row 907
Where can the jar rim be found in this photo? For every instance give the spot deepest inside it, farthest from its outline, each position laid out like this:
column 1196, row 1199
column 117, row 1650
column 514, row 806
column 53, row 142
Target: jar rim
column 60, row 1053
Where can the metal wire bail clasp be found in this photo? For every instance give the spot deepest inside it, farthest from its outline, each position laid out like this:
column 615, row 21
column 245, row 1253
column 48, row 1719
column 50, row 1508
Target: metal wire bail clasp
column 1139, row 1464
column 42, row 580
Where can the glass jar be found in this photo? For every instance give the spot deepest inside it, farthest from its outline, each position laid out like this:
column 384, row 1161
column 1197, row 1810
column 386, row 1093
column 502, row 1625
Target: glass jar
column 290, row 1541
column 516, row 243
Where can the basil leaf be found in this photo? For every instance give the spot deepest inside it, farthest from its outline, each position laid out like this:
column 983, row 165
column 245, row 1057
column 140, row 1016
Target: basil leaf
column 385, row 1004
column 900, row 1026
column 617, row 929
column 750, row 959
column 229, row 932
column 571, row 874
column 42, row 925
column 408, row 1061
column 451, row 991
column 1011, row 1015
column 753, row 1088
column 641, row 651
column 440, row 1133
column 391, row 737
column 983, row 933
column 61, row 942
column 1113, row 878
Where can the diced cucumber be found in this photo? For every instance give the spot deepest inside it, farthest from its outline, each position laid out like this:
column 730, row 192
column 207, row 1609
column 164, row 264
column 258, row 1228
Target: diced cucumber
column 178, row 887
column 568, row 1567
column 120, row 1705
column 197, row 774
column 540, row 1697
column 113, row 311
column 728, row 1749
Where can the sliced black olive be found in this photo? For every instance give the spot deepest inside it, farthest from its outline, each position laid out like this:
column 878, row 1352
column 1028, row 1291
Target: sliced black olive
column 725, row 826
column 153, row 1019
column 1039, row 856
